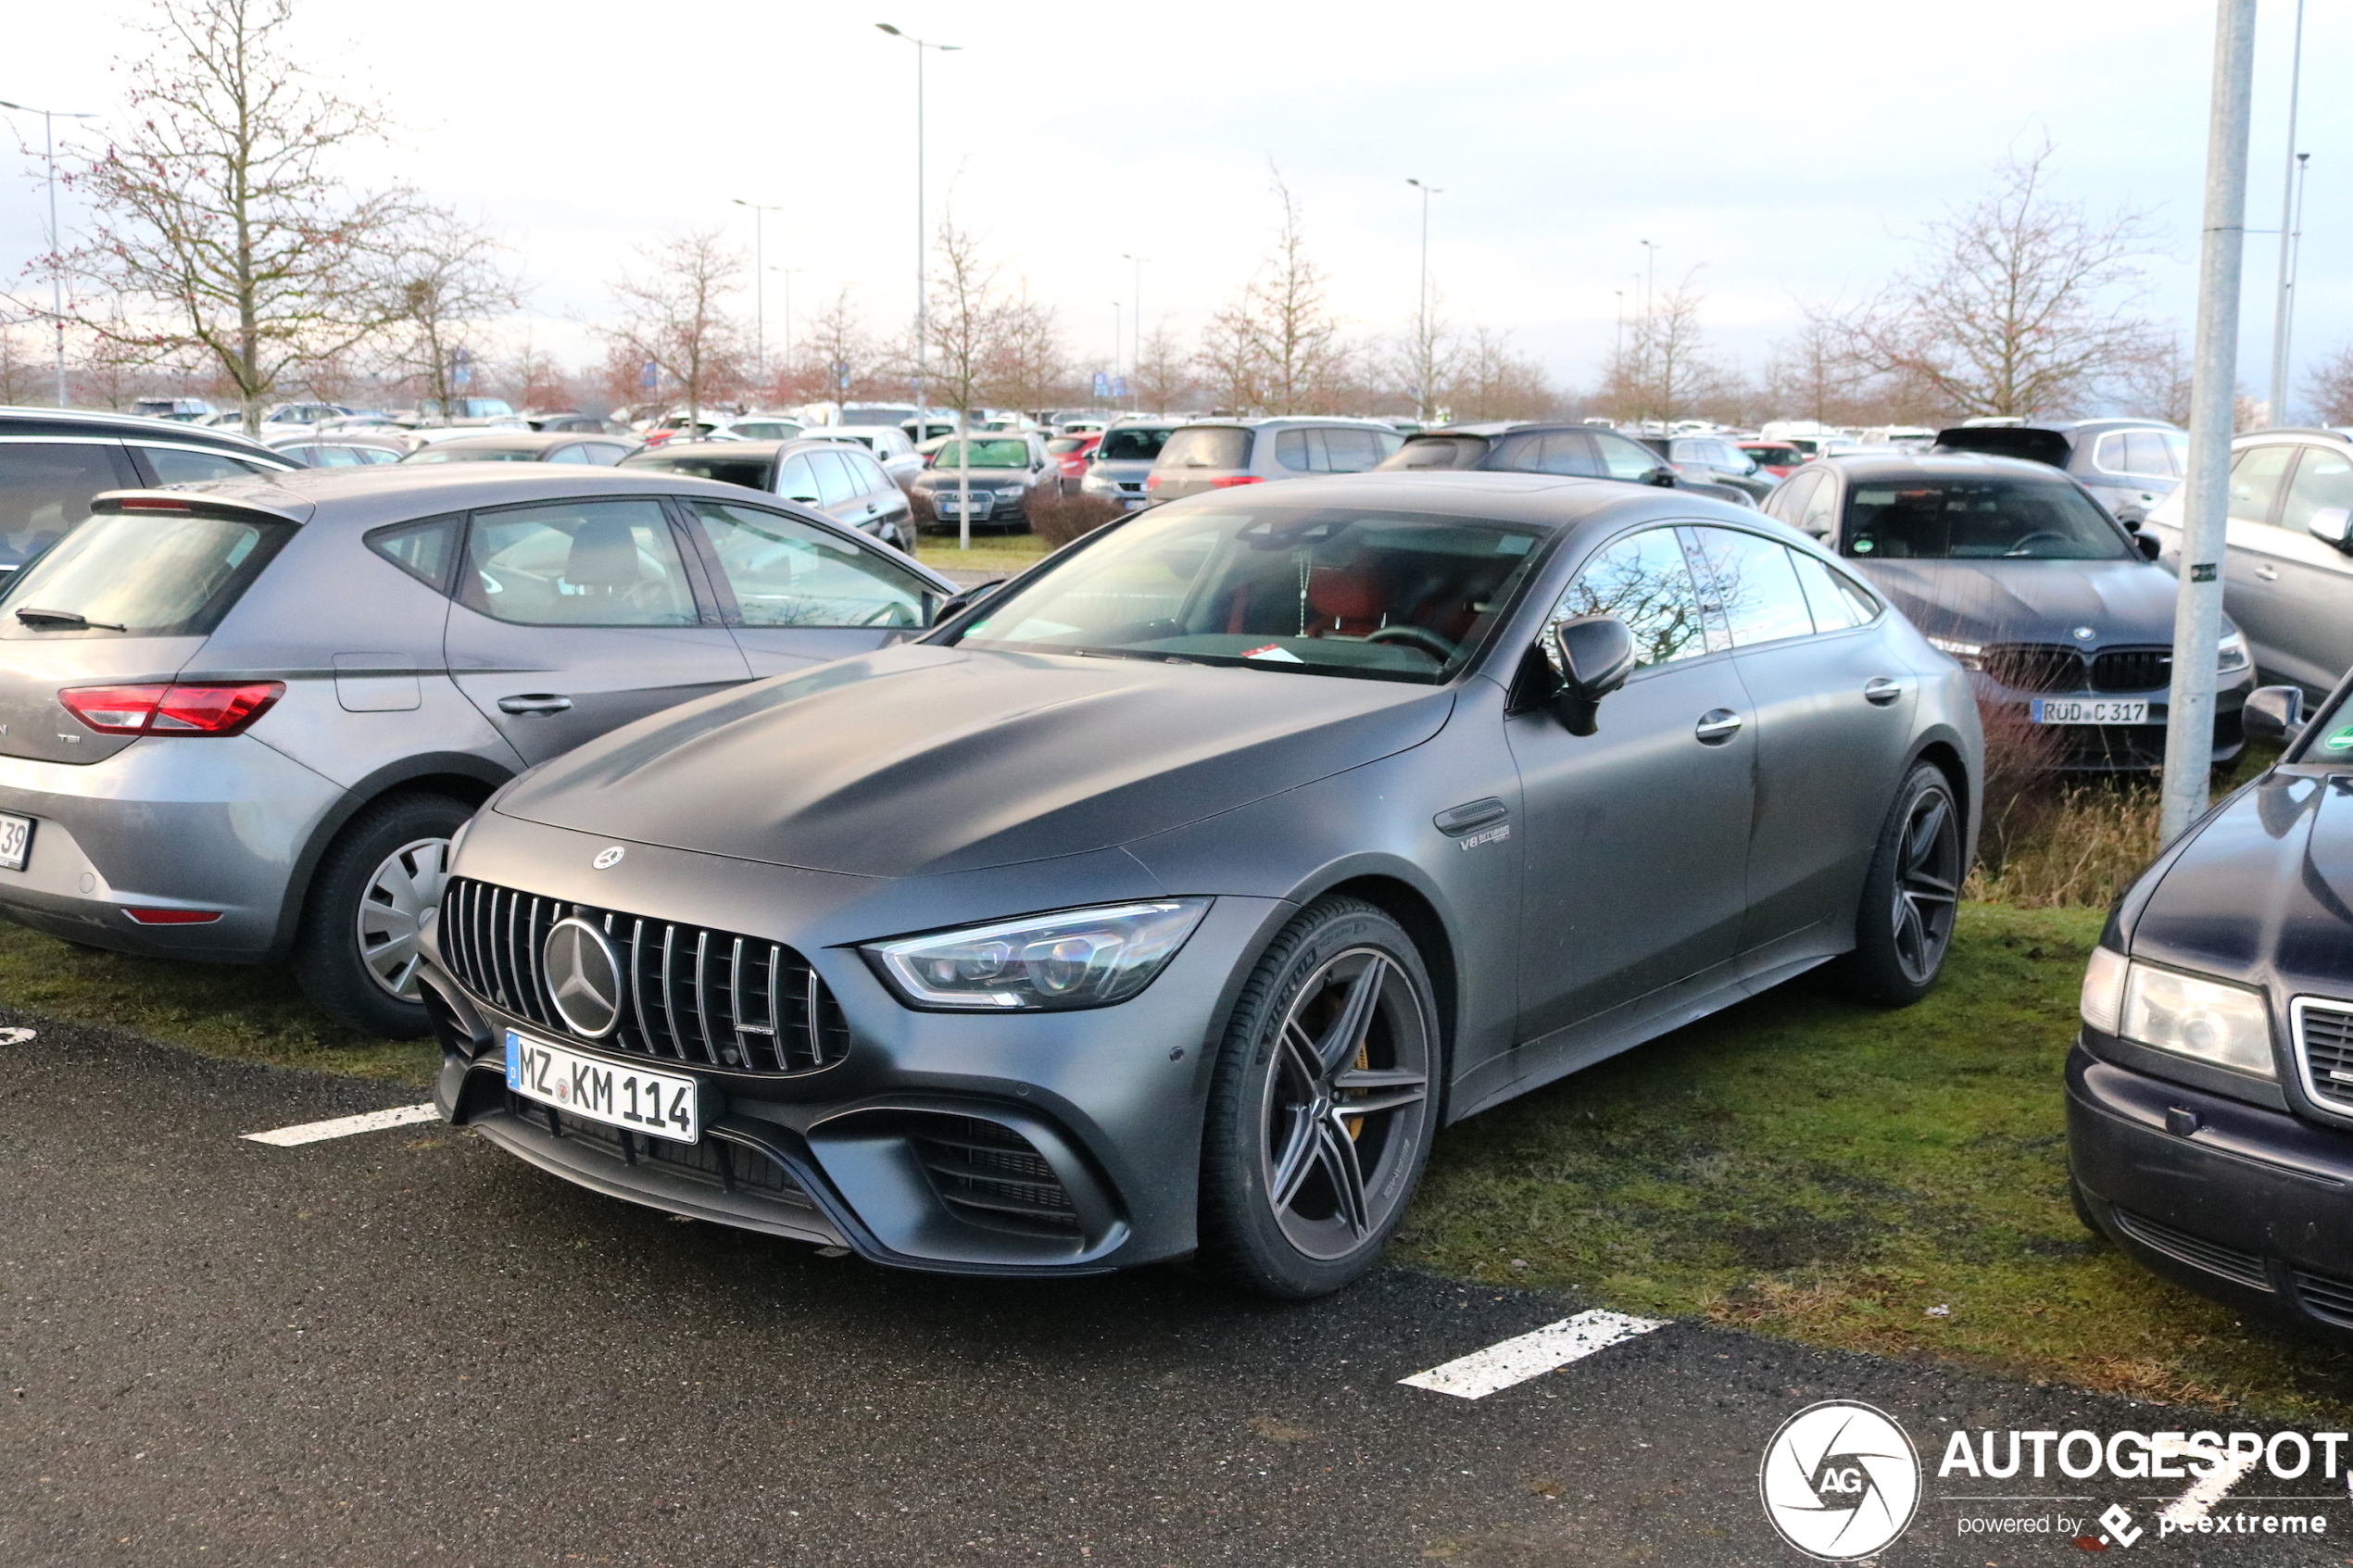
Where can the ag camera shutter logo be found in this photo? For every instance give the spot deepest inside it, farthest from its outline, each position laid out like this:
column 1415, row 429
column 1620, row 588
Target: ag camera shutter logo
column 1839, row 1481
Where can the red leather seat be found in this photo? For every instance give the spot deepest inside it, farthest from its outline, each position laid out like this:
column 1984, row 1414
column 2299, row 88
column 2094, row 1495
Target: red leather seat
column 1348, row 600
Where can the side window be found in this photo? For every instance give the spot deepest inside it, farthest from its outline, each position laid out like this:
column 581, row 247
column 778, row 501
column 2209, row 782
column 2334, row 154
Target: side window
column 1833, row 597
column 575, row 453
column 578, row 563
column 870, row 476
column 796, row 480
column 1624, row 458
column 2110, row 455
column 2146, row 454
column 176, row 465
column 2255, row 481
column 1820, row 517
column 1294, row 451
column 45, row 489
column 1788, row 503
column 424, row 551
column 787, row 574
column 1352, row 451
column 1756, row 586
column 834, row 487
column 1644, row 580
column 2324, row 479
column 603, row 452
column 1388, row 442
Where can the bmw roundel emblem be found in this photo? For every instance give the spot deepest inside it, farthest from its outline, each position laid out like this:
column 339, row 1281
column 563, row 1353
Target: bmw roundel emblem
column 2083, row 635
column 610, row 856
column 584, row 977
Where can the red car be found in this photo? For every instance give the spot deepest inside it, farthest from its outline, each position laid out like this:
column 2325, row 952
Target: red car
column 1071, row 453
column 1776, row 458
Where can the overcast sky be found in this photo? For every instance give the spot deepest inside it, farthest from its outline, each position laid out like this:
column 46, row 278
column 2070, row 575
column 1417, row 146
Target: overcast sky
column 1786, row 152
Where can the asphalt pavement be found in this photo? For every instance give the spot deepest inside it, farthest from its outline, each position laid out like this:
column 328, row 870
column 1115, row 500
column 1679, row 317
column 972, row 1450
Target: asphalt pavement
column 404, row 1347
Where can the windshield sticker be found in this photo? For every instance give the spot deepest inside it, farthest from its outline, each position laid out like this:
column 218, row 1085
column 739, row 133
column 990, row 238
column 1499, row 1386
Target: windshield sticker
column 1275, row 653
column 2342, row 740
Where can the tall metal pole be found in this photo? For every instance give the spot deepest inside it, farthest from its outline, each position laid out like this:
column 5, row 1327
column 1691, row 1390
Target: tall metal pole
column 922, row 235
column 1422, row 351
column 2197, row 611
column 2287, row 219
column 1115, row 338
column 787, row 272
column 56, row 267
column 1136, row 331
column 758, row 285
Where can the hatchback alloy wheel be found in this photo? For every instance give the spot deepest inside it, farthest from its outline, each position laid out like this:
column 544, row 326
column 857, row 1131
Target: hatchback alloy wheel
column 392, row 910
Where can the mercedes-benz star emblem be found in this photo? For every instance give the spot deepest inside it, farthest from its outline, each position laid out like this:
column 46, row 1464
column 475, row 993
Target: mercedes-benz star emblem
column 610, row 856
column 584, row 978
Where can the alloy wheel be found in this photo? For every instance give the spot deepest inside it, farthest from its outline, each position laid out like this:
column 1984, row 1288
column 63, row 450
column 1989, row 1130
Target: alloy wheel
column 391, row 911
column 1928, row 886
column 1347, row 1092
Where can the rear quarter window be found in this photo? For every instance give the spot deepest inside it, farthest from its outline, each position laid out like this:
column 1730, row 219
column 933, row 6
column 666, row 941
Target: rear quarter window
column 1207, row 446
column 146, row 575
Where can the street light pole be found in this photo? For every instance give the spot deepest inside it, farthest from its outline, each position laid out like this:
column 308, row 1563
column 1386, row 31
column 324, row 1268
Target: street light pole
column 2197, row 606
column 57, row 266
column 1135, row 329
column 787, row 272
column 2288, row 184
column 758, row 285
column 1423, row 353
column 923, row 234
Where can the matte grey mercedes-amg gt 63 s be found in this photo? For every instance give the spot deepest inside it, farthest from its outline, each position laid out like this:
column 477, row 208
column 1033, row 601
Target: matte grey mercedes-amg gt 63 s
column 1168, row 900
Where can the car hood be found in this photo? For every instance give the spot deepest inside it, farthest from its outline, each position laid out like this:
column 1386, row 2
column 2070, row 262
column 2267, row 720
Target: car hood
column 2264, row 890
column 2030, row 601
column 921, row 759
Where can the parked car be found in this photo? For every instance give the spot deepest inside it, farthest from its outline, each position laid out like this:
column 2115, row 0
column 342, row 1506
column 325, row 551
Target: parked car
column 245, row 720
column 339, row 451
column 527, row 447
column 1125, row 459
column 304, row 413
column 2128, row 465
column 2010, row 567
column 2209, row 1094
column 567, row 423
column 1071, row 453
column 887, row 444
column 839, row 479
column 53, row 462
column 465, row 411
column 1312, row 818
column 1007, row 473
column 756, row 426
column 176, row 409
column 1775, row 458
column 2288, row 565
column 1580, row 450
column 1713, row 460
column 1219, row 453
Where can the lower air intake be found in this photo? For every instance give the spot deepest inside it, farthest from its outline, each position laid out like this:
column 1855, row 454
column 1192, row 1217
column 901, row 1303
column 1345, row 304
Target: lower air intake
column 991, row 1176
column 2242, row 1267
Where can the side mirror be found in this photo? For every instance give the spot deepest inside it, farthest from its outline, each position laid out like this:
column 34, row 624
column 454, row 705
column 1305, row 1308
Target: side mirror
column 2273, row 715
column 1594, row 654
column 2150, row 544
column 1663, row 477
column 2334, row 524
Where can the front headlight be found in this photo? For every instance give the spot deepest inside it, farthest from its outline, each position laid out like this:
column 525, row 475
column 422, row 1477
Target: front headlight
column 2230, row 654
column 1075, row 959
column 2204, row 1020
column 1967, row 653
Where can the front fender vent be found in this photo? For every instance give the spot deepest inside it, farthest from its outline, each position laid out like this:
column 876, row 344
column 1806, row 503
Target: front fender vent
column 693, row 995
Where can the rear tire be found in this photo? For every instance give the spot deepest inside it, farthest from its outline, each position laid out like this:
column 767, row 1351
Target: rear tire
column 354, row 956
column 1904, row 929
column 1297, row 1195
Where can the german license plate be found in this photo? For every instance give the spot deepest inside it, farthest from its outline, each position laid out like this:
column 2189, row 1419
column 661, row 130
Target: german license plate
column 2090, row 710
column 16, row 841
column 660, row 1105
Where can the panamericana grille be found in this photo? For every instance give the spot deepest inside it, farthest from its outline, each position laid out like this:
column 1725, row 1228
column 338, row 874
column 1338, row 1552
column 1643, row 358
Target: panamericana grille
column 2034, row 667
column 2324, row 1035
column 2228, row 1261
column 993, row 1175
column 692, row 994
column 2132, row 669
column 2328, row 1300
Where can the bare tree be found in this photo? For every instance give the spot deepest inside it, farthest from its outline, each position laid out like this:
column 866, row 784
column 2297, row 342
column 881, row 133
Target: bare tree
column 1162, row 377
column 2156, row 385
column 1665, row 367
column 1286, row 313
column 1427, row 358
column 1815, row 372
column 1029, row 363
column 1227, row 361
column 220, row 210
column 19, row 366
column 966, row 319
column 2022, row 303
column 1487, row 381
column 675, row 316
column 838, row 358
column 2329, row 388
column 531, row 377
column 442, row 278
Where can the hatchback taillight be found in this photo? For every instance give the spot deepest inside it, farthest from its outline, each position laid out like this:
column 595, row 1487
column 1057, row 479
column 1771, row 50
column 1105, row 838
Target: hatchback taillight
column 1231, row 479
column 188, row 709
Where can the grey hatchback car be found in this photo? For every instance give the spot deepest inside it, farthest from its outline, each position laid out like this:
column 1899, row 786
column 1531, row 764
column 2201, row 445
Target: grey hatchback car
column 1220, row 454
column 243, row 720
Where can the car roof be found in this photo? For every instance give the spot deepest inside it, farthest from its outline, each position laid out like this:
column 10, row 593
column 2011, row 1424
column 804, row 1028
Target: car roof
column 514, row 440
column 78, row 421
column 646, row 455
column 1927, row 467
column 1546, row 501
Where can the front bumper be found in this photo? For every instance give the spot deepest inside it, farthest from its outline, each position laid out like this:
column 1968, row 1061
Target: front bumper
column 212, row 824
column 1012, row 1144
column 2248, row 1205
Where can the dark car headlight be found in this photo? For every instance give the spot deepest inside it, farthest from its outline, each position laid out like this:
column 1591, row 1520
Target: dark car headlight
column 2180, row 1014
column 1073, row 959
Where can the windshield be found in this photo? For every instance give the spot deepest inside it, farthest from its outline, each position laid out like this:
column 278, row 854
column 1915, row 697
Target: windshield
column 1979, row 519
column 752, row 472
column 1132, row 444
column 144, row 574
column 1379, row 596
column 868, row 414
column 1206, row 447
column 476, row 455
column 985, row 454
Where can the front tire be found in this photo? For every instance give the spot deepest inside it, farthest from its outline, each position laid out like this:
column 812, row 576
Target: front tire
column 1911, row 895
column 1323, row 1107
column 356, row 954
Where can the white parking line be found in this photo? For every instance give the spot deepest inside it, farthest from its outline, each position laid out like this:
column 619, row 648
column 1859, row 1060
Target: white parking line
column 15, row 1036
column 2197, row 1503
column 1531, row 1355
column 344, row 1127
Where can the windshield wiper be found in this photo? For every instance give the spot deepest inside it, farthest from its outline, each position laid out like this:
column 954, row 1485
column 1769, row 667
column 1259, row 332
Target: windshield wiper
column 71, row 618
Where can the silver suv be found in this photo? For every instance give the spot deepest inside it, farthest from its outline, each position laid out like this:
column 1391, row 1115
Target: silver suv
column 243, row 720
column 1215, row 454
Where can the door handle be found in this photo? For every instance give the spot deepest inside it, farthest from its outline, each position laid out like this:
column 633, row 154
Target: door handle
column 1881, row 691
column 2267, row 571
column 1716, row 725
column 544, row 704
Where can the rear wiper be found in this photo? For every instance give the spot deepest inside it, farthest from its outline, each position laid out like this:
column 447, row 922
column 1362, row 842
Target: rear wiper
column 72, row 617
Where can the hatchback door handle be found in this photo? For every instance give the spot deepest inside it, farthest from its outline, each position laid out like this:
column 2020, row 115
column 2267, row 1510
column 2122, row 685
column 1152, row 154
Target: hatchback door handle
column 541, row 703
column 1882, row 691
column 1716, row 725
column 2267, row 571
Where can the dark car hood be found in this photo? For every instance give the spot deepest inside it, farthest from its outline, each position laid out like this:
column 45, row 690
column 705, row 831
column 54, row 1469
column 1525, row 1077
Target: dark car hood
column 2008, row 441
column 2030, row 601
column 929, row 759
column 2265, row 889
